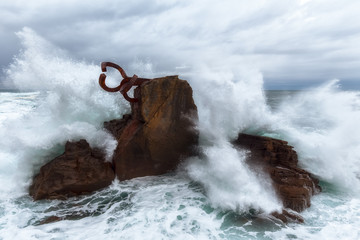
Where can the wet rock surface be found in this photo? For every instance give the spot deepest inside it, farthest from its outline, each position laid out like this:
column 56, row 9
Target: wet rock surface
column 288, row 217
column 152, row 140
column 293, row 185
column 160, row 132
column 79, row 170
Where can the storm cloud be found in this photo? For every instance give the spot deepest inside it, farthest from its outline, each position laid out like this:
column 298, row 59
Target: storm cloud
column 294, row 44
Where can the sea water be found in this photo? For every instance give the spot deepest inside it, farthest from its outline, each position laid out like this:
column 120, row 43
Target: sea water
column 215, row 196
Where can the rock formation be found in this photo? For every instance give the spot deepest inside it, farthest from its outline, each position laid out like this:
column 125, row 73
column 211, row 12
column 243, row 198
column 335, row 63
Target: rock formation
column 79, row 170
column 159, row 133
column 293, row 185
column 287, row 217
column 153, row 140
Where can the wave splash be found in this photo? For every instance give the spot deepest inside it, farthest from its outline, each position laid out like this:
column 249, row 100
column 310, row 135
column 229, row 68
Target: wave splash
column 230, row 101
column 321, row 124
column 71, row 106
column 68, row 105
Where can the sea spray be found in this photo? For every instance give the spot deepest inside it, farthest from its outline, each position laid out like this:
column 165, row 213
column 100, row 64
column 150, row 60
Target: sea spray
column 322, row 124
column 71, row 106
column 230, row 184
column 169, row 207
column 230, row 101
column 74, row 107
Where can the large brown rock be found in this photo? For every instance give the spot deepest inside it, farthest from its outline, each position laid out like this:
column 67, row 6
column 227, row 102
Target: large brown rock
column 152, row 140
column 293, row 185
column 159, row 133
column 79, row 170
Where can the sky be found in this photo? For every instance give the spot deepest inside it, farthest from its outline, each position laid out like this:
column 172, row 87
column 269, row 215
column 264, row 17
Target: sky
column 293, row 43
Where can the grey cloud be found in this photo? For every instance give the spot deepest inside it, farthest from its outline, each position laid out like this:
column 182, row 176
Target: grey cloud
column 286, row 40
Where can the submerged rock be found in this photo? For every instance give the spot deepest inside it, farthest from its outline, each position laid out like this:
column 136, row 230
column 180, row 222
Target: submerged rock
column 160, row 131
column 293, row 185
column 288, row 217
column 79, row 170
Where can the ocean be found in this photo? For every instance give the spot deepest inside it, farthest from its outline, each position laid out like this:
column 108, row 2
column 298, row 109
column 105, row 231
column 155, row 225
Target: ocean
column 206, row 198
column 213, row 197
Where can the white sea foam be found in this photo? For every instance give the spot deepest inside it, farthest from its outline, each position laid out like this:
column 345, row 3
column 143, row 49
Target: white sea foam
column 152, row 207
column 71, row 106
column 229, row 183
column 322, row 124
column 230, row 101
column 331, row 217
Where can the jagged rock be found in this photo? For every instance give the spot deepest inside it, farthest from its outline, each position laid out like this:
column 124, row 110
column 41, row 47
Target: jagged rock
column 79, row 170
column 160, row 132
column 293, row 185
column 288, row 217
column 153, row 140
column 48, row 220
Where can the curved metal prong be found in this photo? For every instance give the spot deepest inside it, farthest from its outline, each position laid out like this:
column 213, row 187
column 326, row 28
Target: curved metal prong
column 113, row 65
column 125, row 85
column 106, row 88
column 126, row 96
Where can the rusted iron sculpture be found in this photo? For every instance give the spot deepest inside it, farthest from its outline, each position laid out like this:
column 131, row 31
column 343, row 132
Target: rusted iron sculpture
column 125, row 84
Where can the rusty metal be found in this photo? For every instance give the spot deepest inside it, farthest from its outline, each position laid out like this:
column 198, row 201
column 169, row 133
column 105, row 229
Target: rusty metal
column 125, row 85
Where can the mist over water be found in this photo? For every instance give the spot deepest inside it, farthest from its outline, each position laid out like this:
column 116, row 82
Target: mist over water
column 213, row 197
column 230, row 184
column 68, row 106
column 322, row 124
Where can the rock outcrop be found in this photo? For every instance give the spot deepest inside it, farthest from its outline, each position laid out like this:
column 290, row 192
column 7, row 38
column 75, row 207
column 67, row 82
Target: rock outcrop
column 159, row 133
column 78, row 171
column 288, row 217
column 293, row 185
column 152, row 140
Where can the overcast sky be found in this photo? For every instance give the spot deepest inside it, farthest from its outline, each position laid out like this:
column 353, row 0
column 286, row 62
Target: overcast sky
column 294, row 43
